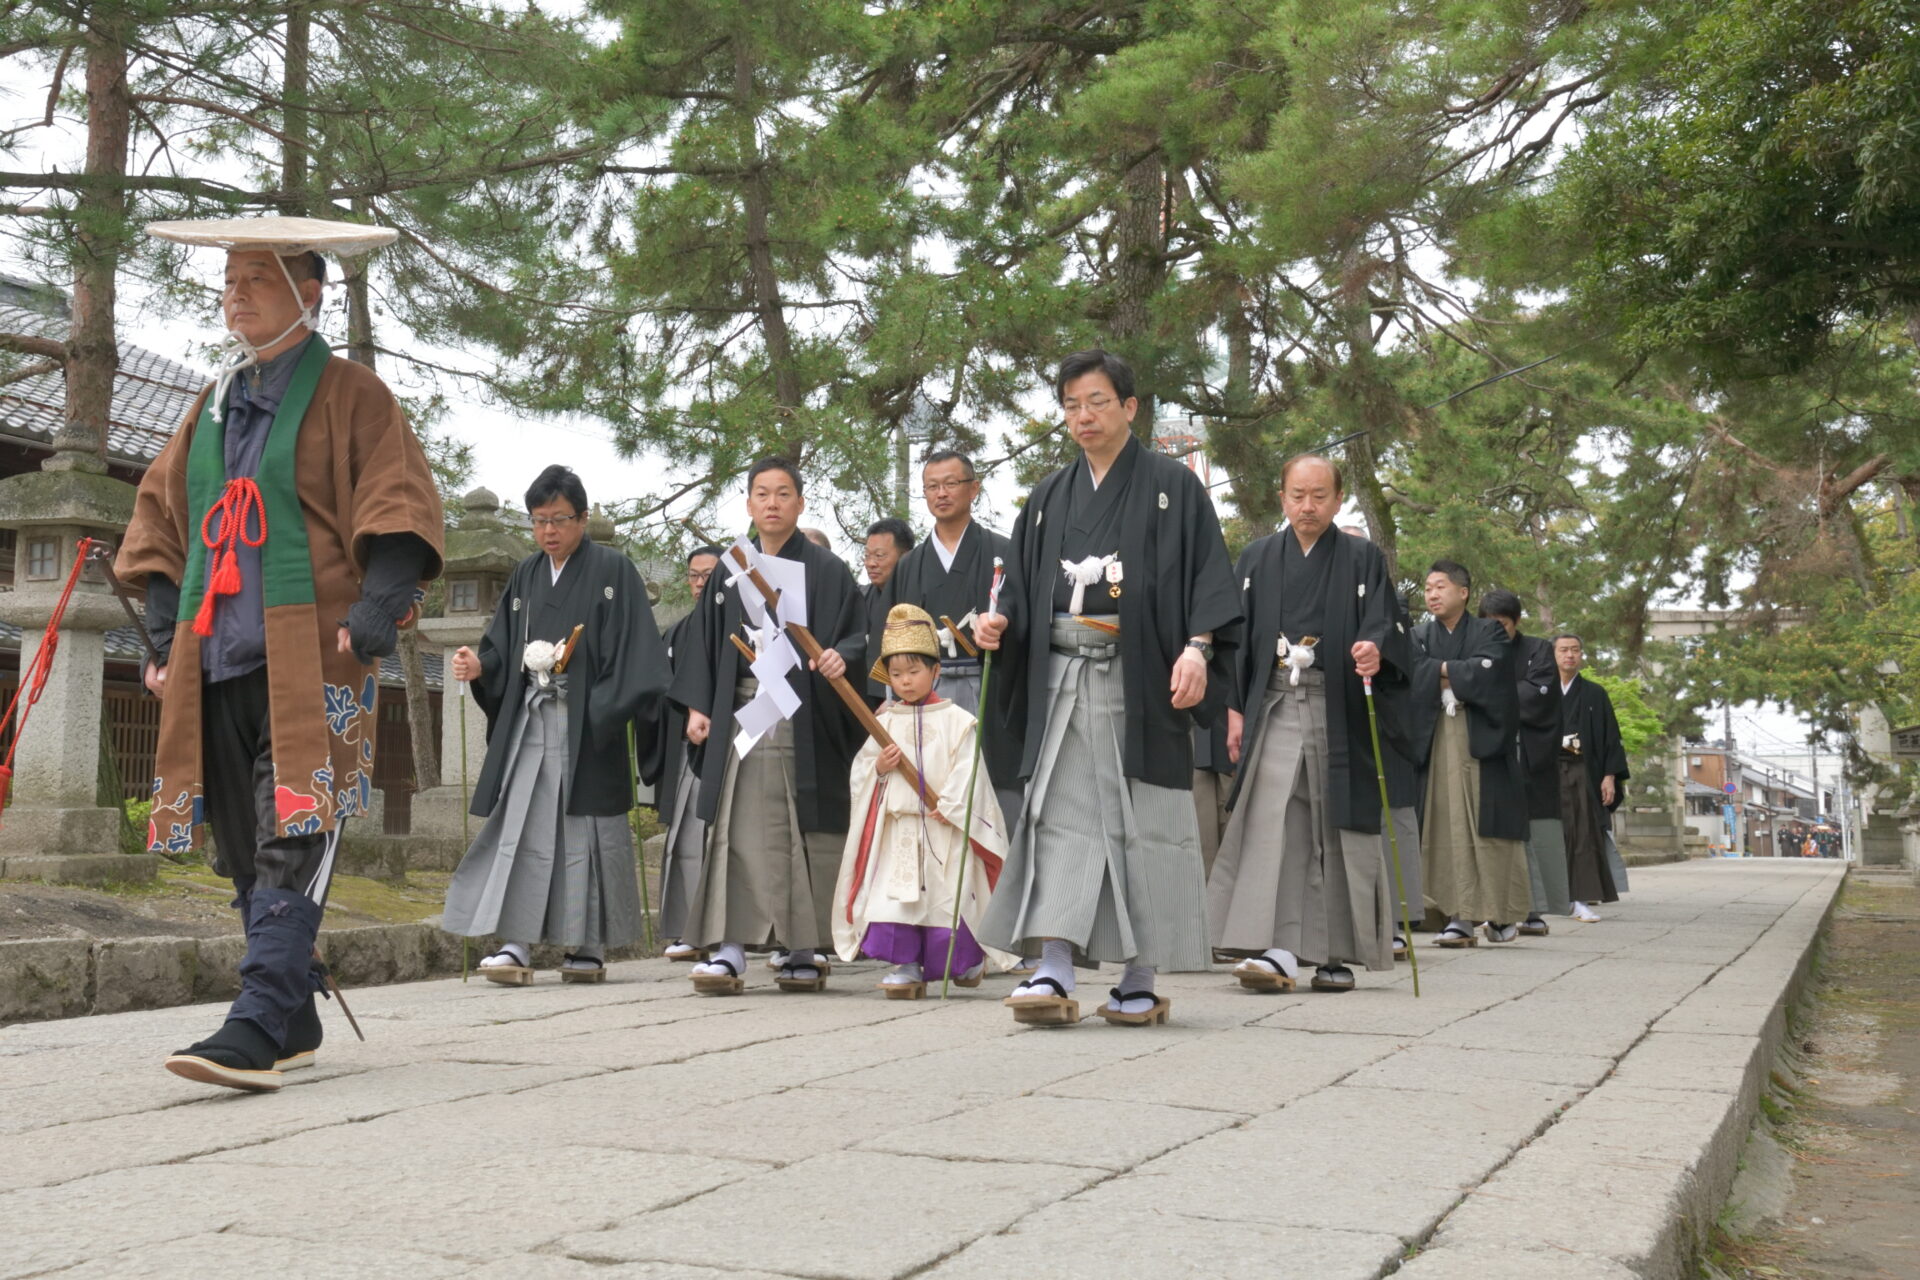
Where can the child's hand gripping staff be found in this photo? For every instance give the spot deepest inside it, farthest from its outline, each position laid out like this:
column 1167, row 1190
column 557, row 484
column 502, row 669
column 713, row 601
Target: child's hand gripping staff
column 1393, row 839
column 973, row 773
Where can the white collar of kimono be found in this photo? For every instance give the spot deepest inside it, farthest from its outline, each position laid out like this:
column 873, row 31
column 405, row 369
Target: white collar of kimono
column 945, row 553
column 236, row 353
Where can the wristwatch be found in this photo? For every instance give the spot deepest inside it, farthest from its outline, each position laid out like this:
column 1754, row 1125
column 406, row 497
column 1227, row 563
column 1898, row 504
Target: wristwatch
column 1203, row 647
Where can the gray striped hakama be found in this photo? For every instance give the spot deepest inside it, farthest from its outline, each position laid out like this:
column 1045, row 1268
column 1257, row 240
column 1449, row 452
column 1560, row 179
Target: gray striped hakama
column 1104, row 861
column 680, row 859
column 1469, row 876
column 1285, row 875
column 536, row 873
column 1406, row 838
column 763, row 882
column 1210, row 793
column 1547, row 867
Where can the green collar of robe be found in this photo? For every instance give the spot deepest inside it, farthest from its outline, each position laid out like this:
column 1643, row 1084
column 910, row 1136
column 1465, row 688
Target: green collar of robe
column 284, row 562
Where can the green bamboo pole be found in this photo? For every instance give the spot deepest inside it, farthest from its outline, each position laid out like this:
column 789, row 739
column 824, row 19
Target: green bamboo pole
column 1393, row 837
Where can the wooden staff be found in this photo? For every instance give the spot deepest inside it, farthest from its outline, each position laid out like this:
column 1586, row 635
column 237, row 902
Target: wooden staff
column 813, row 649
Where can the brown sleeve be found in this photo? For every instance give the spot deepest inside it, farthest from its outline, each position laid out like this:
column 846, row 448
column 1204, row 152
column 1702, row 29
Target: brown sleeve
column 393, row 489
column 156, row 538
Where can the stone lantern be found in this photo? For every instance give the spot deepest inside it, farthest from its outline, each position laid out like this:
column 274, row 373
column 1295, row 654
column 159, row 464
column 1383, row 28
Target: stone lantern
column 482, row 550
column 55, row 827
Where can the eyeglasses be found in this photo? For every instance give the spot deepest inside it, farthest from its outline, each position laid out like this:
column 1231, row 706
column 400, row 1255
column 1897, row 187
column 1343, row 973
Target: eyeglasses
column 553, row 522
column 935, row 488
column 1098, row 404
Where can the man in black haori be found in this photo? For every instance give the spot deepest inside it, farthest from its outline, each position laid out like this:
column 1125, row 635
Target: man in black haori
column 1121, row 552
column 1303, row 869
column 570, row 658
column 777, row 816
column 1473, row 820
column 1593, row 775
column 668, row 766
column 1538, row 686
column 950, row 575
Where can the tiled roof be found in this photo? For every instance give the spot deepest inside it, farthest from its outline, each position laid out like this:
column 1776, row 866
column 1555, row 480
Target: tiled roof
column 123, row 645
column 151, row 394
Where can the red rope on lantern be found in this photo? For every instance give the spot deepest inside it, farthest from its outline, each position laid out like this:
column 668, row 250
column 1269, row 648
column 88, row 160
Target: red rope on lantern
column 33, row 680
column 239, row 500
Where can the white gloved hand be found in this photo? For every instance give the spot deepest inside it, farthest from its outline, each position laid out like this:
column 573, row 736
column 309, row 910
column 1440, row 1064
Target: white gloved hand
column 1449, row 701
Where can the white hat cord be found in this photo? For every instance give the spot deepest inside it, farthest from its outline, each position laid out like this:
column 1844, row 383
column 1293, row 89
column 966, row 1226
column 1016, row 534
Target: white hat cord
column 237, row 353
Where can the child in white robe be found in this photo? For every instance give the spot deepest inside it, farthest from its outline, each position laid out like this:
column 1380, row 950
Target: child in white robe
column 906, row 859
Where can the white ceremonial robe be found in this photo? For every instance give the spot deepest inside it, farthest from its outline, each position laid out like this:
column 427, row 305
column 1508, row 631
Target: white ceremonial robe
column 902, row 865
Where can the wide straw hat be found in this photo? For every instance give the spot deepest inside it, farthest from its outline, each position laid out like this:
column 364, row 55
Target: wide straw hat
column 909, row 630
column 276, row 235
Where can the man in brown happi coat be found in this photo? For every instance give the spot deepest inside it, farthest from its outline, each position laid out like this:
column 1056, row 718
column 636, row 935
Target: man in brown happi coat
column 281, row 537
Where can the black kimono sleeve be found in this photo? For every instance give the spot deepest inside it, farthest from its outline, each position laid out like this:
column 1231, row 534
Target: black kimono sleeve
column 1483, row 676
column 1214, row 605
column 1240, row 691
column 693, row 659
column 1538, row 687
column 490, row 690
column 1383, row 621
column 1611, row 758
column 632, row 662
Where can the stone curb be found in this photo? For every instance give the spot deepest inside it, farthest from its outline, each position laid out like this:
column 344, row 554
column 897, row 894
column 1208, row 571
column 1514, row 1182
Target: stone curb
column 1629, row 1181
column 74, row 977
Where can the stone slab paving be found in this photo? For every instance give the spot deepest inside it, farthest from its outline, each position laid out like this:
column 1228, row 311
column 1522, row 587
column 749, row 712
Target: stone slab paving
column 1566, row 1107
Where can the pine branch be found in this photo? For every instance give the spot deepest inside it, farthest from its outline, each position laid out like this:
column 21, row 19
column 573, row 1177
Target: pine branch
column 32, row 344
column 33, row 370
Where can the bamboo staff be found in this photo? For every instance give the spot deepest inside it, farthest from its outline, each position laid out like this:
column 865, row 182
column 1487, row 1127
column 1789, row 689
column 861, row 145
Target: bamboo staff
column 973, row 778
column 1393, row 838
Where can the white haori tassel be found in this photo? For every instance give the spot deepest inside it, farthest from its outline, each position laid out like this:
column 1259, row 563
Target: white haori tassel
column 1083, row 575
column 1450, row 701
column 1295, row 655
column 539, row 658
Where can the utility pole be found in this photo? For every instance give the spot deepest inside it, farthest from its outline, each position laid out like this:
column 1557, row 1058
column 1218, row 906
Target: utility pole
column 1813, row 771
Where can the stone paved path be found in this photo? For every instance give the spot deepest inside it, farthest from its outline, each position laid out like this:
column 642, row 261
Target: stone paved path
column 1566, row 1107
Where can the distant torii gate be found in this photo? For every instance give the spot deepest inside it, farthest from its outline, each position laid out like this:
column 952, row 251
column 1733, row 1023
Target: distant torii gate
column 1678, row 624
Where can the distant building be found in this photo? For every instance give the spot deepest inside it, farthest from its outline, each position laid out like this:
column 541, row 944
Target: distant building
column 1771, row 810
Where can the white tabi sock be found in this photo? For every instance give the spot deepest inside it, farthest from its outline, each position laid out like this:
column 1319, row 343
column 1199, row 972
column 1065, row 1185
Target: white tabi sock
column 1056, row 962
column 1288, row 963
column 521, row 954
column 731, row 952
column 903, row 975
column 586, row 958
column 1135, row 977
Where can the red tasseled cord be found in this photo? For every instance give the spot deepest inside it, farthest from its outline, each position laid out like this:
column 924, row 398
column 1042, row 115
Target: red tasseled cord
column 238, row 501
column 33, row 680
